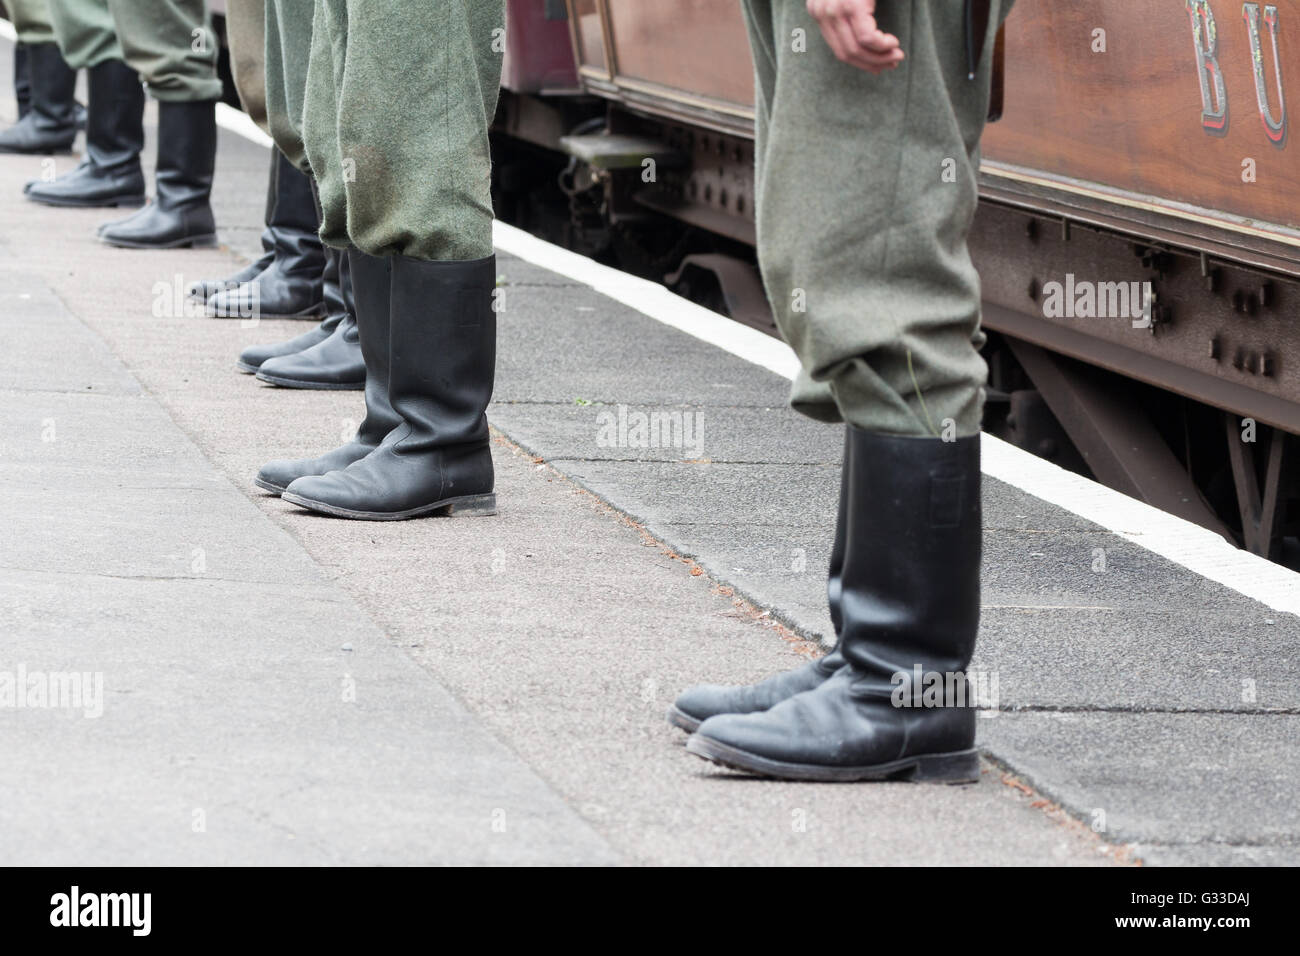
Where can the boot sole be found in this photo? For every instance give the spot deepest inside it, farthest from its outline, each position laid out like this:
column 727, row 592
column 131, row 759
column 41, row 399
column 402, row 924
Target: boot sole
column 87, row 203
column 246, row 368
column 42, row 151
column 962, row 766
column 679, row 718
column 193, row 242
column 316, row 313
column 273, row 488
column 469, row 505
column 319, row 386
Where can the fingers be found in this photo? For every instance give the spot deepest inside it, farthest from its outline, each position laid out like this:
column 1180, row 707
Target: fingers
column 849, row 28
column 867, row 33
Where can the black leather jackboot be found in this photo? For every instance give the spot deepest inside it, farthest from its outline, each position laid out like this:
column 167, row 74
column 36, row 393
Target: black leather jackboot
column 22, row 81
column 698, row 703
column 334, row 361
column 290, row 287
column 442, row 359
column 50, row 123
column 110, row 173
column 205, row 289
column 371, row 285
column 181, row 213
column 338, row 303
column 901, row 706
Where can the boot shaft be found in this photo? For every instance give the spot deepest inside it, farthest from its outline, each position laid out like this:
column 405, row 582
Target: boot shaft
column 115, row 121
column 911, row 576
column 22, row 82
column 834, row 578
column 292, row 202
column 332, row 280
column 442, row 350
column 371, row 289
column 187, row 153
column 53, row 105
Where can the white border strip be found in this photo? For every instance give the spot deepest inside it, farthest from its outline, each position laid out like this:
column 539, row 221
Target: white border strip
column 239, row 123
column 652, row 299
column 1200, row 551
column 1191, row 546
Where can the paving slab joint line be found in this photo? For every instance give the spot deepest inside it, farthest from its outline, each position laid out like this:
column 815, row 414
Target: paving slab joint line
column 792, row 631
column 1032, row 785
column 1280, row 843
column 327, row 578
column 752, row 602
column 1121, row 709
column 771, row 616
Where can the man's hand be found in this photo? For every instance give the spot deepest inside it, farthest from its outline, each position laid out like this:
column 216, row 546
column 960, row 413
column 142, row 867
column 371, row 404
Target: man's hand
column 849, row 27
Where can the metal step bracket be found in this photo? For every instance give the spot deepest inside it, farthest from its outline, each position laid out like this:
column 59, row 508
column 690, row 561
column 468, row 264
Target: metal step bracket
column 620, row 151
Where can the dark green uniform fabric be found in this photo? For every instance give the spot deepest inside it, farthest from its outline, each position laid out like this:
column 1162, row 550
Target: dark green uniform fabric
column 287, row 51
column 31, row 20
column 396, row 124
column 171, row 45
column 85, row 32
column 866, row 193
column 246, row 40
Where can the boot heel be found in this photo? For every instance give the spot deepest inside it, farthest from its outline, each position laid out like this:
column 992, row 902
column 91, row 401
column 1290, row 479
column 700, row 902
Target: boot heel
column 474, row 505
column 962, row 767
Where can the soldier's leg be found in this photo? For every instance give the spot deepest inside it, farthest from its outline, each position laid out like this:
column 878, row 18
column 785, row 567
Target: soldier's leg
column 867, row 194
column 85, row 32
column 49, row 124
column 291, row 284
column 110, row 172
column 246, row 40
column 336, row 361
column 878, row 296
column 171, row 45
column 288, row 54
column 698, row 703
column 31, row 20
column 245, row 32
column 370, row 283
column 320, row 109
column 417, row 207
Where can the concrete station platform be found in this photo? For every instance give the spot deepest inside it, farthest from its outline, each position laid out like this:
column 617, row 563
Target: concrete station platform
column 285, row 688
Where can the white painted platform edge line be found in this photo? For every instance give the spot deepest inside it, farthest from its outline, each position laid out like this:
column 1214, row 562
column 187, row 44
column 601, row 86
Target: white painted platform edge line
column 1176, row 539
column 651, row 299
column 1191, row 546
column 239, row 123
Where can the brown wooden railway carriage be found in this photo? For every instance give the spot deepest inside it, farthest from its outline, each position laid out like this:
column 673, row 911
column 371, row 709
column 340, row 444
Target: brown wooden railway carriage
column 1139, row 233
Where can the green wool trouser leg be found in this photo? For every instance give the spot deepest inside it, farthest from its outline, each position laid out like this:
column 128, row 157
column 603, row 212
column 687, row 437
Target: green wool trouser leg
column 171, row 45
column 246, row 38
column 85, row 33
column 866, row 193
column 287, row 51
column 31, row 20
column 396, row 124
